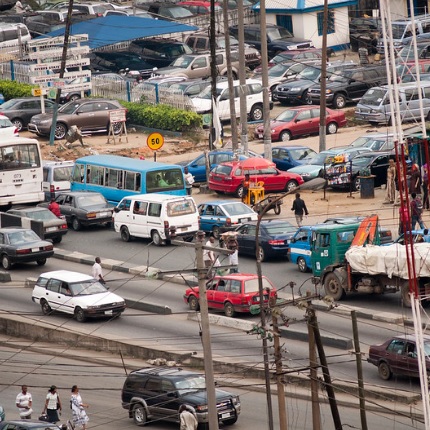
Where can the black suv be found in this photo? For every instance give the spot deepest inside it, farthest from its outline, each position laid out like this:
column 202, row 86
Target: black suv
column 278, row 38
column 349, row 85
column 157, row 394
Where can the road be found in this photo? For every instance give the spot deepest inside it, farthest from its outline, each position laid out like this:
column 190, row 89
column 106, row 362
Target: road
column 100, row 385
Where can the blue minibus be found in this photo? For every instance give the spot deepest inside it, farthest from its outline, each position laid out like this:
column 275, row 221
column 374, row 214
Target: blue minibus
column 116, row 177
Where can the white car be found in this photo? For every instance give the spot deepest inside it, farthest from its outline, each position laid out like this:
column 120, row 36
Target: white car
column 7, row 129
column 77, row 294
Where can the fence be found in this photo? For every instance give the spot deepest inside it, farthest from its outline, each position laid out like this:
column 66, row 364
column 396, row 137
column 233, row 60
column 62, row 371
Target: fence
column 15, row 71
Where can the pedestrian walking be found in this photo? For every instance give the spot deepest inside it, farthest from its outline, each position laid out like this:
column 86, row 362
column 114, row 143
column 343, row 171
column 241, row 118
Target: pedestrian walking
column 390, row 193
column 97, row 272
column 416, row 212
column 79, row 416
column 209, row 255
column 187, row 419
column 425, row 184
column 54, row 207
column 415, row 180
column 52, row 405
column 24, row 402
column 300, row 209
column 189, row 181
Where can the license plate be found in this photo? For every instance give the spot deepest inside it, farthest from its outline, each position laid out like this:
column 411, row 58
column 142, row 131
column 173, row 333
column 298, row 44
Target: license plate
column 109, row 312
column 244, row 219
column 225, row 415
column 103, row 214
column 51, row 229
column 34, row 249
column 260, row 136
column 183, row 229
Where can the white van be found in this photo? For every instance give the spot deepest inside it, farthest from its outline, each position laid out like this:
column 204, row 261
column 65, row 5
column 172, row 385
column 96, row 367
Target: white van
column 56, row 177
column 374, row 106
column 156, row 216
column 11, row 35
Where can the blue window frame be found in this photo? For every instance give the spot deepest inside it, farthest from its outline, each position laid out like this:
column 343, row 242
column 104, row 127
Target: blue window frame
column 330, row 22
column 285, row 21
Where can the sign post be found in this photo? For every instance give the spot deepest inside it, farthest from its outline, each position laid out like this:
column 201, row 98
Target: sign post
column 155, row 141
column 117, row 117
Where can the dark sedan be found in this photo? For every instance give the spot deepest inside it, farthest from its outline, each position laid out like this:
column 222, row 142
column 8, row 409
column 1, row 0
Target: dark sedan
column 20, row 110
column 21, row 245
column 274, row 238
column 398, row 355
column 27, row 425
column 84, row 209
column 50, row 227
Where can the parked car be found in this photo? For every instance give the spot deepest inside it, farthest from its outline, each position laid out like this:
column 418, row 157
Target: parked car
column 20, row 110
column 199, row 7
column 274, row 238
column 22, row 245
column 53, row 228
column 374, row 141
column 221, row 216
column 398, row 355
column 167, row 11
column 145, row 389
column 234, row 293
column 83, row 209
column 87, row 114
column 191, row 87
column 413, row 78
column 56, row 177
column 301, row 121
column 344, row 175
column 2, row 414
column 227, row 178
column 7, row 129
column 77, row 294
column 306, row 56
column 27, row 425
column 287, row 157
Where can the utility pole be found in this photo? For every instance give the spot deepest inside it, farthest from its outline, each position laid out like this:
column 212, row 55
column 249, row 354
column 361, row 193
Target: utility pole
column 242, row 81
column 212, row 36
column 323, row 81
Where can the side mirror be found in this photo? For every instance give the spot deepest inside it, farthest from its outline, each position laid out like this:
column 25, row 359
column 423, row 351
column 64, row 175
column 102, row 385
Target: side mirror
column 116, row 209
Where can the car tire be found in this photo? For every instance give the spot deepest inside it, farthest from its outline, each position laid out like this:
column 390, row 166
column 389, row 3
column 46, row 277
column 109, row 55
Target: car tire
column 74, row 97
column 277, row 209
column 339, row 101
column 301, row 264
column 57, row 239
column 41, row 262
column 60, row 131
column 356, row 185
column 332, row 287
column 332, row 128
column 240, row 191
column 229, row 310
column 306, row 98
column 80, row 315
column 193, row 303
column 125, row 234
column 5, row 262
column 156, row 238
column 18, row 123
column 285, row 136
column 291, row 185
column 76, row 224
column 216, row 232
column 46, row 309
column 262, row 254
column 384, row 371
column 139, row 414
column 256, row 113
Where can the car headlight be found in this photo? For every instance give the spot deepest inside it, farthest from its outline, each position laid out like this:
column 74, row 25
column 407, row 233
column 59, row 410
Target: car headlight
column 328, row 91
column 305, row 175
column 92, row 307
column 296, row 89
column 236, row 400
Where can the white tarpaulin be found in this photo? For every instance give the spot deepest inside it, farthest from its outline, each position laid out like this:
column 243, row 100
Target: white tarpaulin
column 390, row 260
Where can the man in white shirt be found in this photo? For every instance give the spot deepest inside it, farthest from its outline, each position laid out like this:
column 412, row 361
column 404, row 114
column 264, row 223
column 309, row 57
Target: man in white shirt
column 24, row 402
column 97, row 270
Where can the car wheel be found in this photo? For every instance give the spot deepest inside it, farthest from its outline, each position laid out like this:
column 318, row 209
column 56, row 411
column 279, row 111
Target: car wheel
column 261, row 254
column 125, row 234
column 240, row 191
column 5, row 262
column 76, row 225
column 306, row 97
column 256, row 113
column 384, row 371
column 156, row 238
column 46, row 309
column 356, row 185
column 229, row 310
column 74, row 97
column 41, row 262
column 339, row 101
column 332, row 128
column 277, row 209
column 285, row 136
column 291, row 185
column 117, row 127
column 18, row 123
column 301, row 264
column 332, row 287
column 57, row 239
column 60, row 130
column 139, row 414
column 193, row 303
column 80, row 315
column 216, row 232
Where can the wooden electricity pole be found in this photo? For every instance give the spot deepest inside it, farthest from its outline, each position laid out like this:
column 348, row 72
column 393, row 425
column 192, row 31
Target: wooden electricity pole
column 323, row 81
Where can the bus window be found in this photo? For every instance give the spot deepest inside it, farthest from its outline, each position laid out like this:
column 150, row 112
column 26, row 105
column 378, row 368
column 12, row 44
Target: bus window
column 96, row 175
column 132, row 181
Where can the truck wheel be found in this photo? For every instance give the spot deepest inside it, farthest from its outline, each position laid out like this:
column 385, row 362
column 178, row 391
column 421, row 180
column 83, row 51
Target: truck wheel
column 384, row 371
column 406, row 298
column 301, row 264
column 139, row 414
column 339, row 101
column 256, row 113
column 332, row 287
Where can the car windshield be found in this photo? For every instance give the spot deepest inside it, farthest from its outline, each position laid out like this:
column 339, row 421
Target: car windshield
column 398, row 30
column 311, row 73
column 69, row 108
column 193, row 383
column 375, row 144
column 9, row 104
column 175, row 12
column 321, row 158
column 182, row 62
column 278, row 33
column 5, row 122
column 361, row 161
column 361, row 141
column 251, row 285
column 86, row 288
column 302, row 154
column 373, row 97
column 21, row 237
column 40, row 215
column 96, row 199
column 221, row 42
column 278, row 70
column 427, row 349
column 286, row 116
column 237, row 208
column 207, row 93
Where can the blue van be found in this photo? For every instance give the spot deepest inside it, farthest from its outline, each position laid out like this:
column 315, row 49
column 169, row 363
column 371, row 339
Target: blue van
column 300, row 249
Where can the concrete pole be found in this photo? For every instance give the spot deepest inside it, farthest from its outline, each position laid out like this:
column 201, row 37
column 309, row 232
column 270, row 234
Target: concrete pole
column 242, row 81
column 323, row 83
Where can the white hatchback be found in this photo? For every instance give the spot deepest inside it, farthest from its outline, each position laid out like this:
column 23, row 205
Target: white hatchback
column 77, row 294
column 7, row 129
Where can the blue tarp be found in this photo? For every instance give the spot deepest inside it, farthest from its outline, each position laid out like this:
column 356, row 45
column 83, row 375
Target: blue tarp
column 115, row 29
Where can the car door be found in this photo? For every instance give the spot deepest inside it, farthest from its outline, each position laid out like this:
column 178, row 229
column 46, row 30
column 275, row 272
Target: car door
column 61, row 200
column 101, row 116
column 53, row 295
column 224, row 105
column 246, row 239
column 206, row 217
column 138, row 223
column 302, row 123
column 379, row 169
column 273, row 181
column 84, row 117
column 159, row 396
column 360, row 82
column 396, row 356
column 218, row 294
column 283, row 160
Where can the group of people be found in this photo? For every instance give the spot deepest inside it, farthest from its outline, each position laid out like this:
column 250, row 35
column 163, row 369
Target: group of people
column 53, row 407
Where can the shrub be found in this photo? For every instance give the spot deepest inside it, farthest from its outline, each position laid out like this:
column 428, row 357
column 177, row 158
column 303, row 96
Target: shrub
column 13, row 89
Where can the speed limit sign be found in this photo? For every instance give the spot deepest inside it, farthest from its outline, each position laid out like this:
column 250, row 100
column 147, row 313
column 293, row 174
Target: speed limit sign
column 155, row 141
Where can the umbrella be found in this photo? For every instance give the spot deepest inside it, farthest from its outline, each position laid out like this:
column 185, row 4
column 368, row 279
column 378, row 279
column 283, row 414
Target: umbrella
column 255, row 163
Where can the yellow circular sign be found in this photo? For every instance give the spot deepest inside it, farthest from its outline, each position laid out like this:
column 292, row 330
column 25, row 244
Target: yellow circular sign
column 155, row 141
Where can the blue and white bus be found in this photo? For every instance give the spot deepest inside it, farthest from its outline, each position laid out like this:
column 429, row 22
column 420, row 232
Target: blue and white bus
column 116, row 177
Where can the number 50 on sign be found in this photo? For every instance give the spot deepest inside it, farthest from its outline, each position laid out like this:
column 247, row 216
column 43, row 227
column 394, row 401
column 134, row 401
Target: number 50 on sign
column 155, row 141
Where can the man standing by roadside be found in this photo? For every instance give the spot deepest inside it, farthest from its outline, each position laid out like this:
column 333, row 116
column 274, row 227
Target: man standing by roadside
column 189, row 181
column 97, row 271
column 300, row 209
column 24, row 402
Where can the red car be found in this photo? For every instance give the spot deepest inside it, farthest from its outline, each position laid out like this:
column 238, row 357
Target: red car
column 301, row 121
column 232, row 293
column 227, row 178
column 199, row 7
